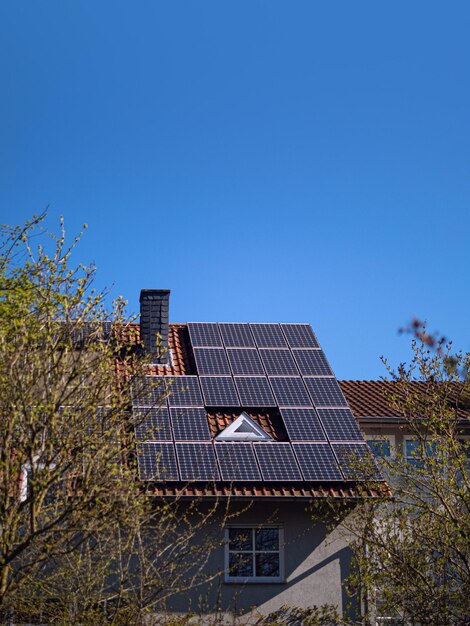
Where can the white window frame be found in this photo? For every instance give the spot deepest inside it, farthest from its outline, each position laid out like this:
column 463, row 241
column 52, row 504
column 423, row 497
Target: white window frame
column 254, row 579
column 389, row 438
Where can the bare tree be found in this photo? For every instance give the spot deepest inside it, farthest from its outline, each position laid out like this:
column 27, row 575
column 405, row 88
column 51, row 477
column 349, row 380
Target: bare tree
column 82, row 540
column 412, row 551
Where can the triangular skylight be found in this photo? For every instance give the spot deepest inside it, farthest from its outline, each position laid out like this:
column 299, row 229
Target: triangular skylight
column 243, row 429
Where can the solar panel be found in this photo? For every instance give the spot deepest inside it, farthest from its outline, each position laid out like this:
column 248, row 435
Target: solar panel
column 268, row 335
column 340, row 425
column 197, row 461
column 211, row 361
column 290, row 391
column 245, row 361
column 303, row 425
column 312, row 362
column 279, row 362
column 254, row 391
column 237, row 461
column 317, row 461
column 184, row 391
column 356, row 461
column 219, row 391
column 157, row 461
column 325, row 392
column 190, row 424
column 103, row 413
column 152, row 424
column 236, row 335
column 300, row 336
column 148, row 391
column 204, row 335
column 277, row 461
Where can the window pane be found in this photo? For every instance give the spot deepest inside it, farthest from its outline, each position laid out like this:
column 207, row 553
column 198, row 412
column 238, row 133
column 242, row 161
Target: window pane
column 411, row 447
column 267, row 564
column 379, row 447
column 414, row 454
column 267, row 539
column 240, row 564
column 240, row 539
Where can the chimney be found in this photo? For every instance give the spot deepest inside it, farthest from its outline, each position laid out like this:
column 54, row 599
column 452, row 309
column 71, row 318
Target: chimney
column 154, row 315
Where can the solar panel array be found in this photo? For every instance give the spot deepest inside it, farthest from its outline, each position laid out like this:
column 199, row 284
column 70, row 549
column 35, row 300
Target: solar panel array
column 242, row 367
column 168, row 411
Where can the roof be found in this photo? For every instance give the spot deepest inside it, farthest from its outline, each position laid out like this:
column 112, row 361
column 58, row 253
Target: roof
column 374, row 398
column 183, row 363
column 369, row 400
column 275, row 491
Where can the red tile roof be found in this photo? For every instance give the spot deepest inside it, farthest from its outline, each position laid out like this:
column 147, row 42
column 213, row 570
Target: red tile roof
column 374, row 398
column 306, row 490
column 182, row 363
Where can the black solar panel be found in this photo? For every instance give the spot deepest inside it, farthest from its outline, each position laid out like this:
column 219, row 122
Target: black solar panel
column 357, row 461
column 236, row 335
column 317, row 461
column 157, row 461
column 190, row 424
column 184, row 391
column 290, row 391
column 103, row 413
column 325, row 392
column 340, row 425
column 148, row 391
column 303, row 425
column 237, row 461
column 279, row 362
column 197, row 461
column 277, row 461
column 245, row 361
column 204, row 335
column 300, row 336
column 268, row 335
column 312, row 362
column 211, row 361
column 219, row 391
column 254, row 391
column 152, row 424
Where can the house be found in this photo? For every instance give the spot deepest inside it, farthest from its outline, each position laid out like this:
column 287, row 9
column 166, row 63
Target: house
column 419, row 431
column 382, row 420
column 253, row 416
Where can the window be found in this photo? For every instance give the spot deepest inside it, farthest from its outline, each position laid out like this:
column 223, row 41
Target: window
column 254, row 554
column 413, row 451
column 243, row 429
column 382, row 446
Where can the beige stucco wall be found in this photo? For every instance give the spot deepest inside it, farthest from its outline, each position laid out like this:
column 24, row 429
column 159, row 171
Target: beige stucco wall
column 315, row 566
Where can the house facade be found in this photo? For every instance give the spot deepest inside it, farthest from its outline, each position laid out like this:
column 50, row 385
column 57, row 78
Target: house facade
column 251, row 419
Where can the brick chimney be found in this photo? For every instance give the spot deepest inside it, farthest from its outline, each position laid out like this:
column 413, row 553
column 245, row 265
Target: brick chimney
column 154, row 317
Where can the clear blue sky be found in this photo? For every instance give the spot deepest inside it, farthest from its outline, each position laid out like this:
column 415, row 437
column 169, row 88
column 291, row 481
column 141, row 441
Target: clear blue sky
column 265, row 160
